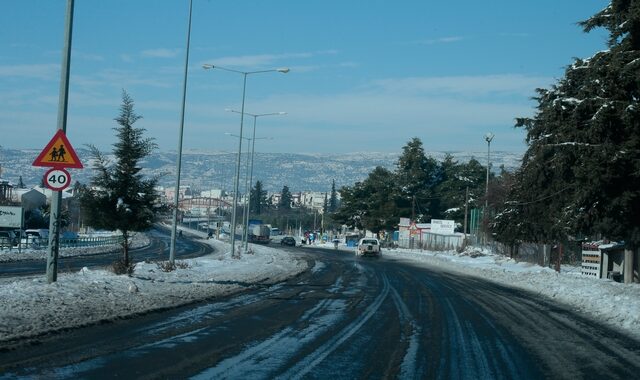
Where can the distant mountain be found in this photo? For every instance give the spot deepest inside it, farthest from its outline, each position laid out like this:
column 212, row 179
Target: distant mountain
column 206, row 170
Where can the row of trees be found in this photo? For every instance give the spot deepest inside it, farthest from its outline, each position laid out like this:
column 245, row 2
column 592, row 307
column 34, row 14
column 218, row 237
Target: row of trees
column 420, row 187
column 261, row 204
column 284, row 214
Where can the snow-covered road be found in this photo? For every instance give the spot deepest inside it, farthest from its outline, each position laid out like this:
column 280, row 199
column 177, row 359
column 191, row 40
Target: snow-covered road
column 31, row 306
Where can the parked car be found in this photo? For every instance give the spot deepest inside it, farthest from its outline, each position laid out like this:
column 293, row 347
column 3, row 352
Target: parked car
column 36, row 238
column 8, row 239
column 288, row 240
column 39, row 233
column 368, row 247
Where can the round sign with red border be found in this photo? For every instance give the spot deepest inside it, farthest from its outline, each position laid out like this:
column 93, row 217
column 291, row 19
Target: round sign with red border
column 57, row 179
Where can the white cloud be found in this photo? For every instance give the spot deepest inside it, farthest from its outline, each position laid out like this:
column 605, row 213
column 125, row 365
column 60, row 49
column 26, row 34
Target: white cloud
column 47, row 71
column 87, row 56
column 160, row 53
column 441, row 40
column 466, row 85
column 266, row 59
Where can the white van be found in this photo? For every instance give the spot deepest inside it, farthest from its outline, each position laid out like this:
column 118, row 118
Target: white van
column 36, row 238
column 41, row 233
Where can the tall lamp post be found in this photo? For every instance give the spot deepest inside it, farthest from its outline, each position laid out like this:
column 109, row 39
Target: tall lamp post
column 236, row 182
column 247, row 187
column 253, row 147
column 176, row 197
column 246, row 182
column 488, row 137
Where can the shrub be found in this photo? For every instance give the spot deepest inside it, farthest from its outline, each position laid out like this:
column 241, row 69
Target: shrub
column 167, row 266
column 119, row 267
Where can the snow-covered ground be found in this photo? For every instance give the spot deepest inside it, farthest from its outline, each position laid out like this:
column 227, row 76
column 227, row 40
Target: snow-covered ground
column 31, row 306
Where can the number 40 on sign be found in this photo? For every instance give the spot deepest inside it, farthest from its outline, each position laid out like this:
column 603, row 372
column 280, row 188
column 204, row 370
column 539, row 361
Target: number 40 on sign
column 57, row 179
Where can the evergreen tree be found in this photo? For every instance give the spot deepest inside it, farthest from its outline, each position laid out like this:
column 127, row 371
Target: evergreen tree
column 581, row 171
column 417, row 176
column 455, row 180
column 285, row 198
column 259, row 200
column 120, row 198
column 21, row 184
column 333, row 200
column 325, row 204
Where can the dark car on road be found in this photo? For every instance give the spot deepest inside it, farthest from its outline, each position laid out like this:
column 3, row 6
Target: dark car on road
column 288, row 240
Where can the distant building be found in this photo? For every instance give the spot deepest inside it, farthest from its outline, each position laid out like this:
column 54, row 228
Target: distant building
column 6, row 190
column 184, row 192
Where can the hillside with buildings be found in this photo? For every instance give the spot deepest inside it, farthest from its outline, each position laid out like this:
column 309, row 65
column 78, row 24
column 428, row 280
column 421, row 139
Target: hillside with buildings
column 203, row 171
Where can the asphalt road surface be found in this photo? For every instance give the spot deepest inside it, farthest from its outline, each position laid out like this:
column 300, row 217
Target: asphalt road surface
column 346, row 318
column 158, row 249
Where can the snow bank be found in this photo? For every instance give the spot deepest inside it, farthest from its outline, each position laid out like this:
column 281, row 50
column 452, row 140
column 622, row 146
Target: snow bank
column 32, row 307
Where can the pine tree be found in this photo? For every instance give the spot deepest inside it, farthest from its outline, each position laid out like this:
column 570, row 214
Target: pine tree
column 259, row 199
column 416, row 176
column 325, row 204
column 285, row 198
column 452, row 188
column 333, row 200
column 21, row 184
column 581, row 171
column 119, row 197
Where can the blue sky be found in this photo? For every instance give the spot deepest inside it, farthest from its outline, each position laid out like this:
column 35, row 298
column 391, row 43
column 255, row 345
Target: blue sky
column 365, row 75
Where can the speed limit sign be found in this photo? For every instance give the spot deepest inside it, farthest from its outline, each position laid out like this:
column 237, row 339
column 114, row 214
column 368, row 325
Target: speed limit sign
column 57, row 179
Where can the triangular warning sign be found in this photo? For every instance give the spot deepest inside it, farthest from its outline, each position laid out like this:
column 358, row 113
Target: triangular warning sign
column 58, row 153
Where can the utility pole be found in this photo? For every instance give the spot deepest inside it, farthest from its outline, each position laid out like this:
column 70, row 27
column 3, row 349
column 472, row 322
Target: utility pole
column 413, row 208
column 488, row 137
column 466, row 212
column 63, row 102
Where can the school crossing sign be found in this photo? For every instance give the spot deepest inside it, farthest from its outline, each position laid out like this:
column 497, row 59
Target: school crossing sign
column 58, row 155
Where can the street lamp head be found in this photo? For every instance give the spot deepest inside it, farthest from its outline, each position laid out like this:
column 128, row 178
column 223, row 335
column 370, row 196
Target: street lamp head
column 282, row 113
column 489, row 136
column 207, row 66
column 283, row 70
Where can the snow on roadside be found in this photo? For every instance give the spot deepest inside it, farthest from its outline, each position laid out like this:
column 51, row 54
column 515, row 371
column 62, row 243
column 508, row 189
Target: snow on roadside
column 32, row 307
column 613, row 303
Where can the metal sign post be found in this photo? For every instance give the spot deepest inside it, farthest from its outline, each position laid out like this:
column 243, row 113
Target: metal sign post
column 56, row 157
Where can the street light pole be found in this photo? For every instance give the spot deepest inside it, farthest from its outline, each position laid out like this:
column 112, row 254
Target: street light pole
column 237, row 178
column 249, row 164
column 250, row 176
column 176, row 197
column 488, row 137
column 245, row 183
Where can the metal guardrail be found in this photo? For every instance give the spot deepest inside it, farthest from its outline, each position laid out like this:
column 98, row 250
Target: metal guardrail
column 42, row 243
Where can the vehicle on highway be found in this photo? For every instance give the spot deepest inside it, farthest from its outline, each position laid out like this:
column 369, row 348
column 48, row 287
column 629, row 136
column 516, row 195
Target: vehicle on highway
column 368, row 247
column 288, row 240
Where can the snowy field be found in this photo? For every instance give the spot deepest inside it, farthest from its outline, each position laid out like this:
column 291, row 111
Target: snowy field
column 31, row 306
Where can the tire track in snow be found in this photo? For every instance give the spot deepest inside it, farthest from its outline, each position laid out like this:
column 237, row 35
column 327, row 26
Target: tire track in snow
column 409, row 368
column 308, row 363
